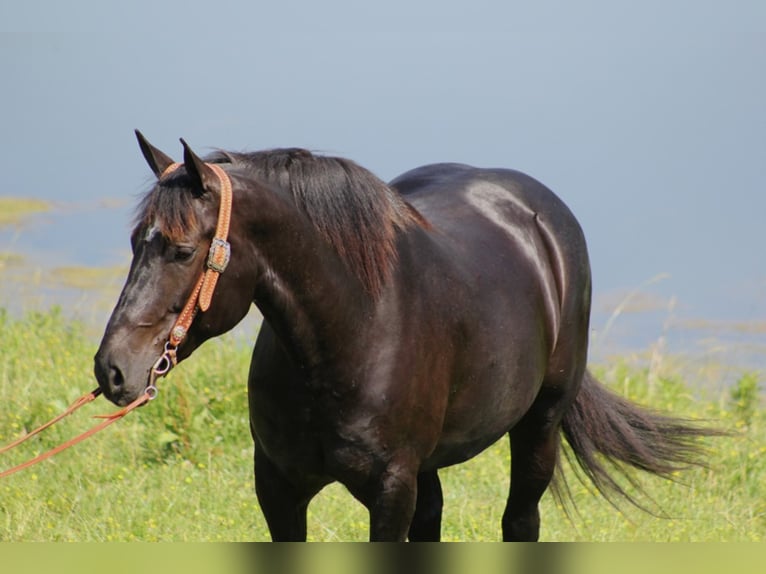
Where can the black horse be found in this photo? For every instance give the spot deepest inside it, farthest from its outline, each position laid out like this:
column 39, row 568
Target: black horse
column 407, row 327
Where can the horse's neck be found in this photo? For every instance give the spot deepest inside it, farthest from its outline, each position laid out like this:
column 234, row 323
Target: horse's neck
column 305, row 291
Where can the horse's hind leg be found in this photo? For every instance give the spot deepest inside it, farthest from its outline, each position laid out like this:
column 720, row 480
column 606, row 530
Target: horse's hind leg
column 427, row 520
column 534, row 454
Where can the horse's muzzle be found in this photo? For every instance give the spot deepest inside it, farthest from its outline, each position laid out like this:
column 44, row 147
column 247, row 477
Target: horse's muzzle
column 112, row 381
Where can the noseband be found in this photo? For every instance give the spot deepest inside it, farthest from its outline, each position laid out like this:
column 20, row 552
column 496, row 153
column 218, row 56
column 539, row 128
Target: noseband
column 199, row 300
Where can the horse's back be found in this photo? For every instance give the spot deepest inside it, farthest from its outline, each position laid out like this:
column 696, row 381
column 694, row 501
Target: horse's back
column 423, row 186
column 466, row 202
column 520, row 234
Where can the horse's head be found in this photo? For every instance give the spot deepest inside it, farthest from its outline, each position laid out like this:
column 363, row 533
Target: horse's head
column 175, row 226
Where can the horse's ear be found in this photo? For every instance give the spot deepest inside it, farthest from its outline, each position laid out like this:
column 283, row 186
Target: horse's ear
column 202, row 176
column 158, row 161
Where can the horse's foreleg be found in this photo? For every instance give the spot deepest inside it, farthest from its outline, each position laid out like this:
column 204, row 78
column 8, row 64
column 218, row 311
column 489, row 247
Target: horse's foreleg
column 390, row 498
column 426, row 522
column 284, row 504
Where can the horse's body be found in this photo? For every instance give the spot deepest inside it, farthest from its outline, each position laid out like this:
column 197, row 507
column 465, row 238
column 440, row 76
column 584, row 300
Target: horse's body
column 445, row 361
column 406, row 329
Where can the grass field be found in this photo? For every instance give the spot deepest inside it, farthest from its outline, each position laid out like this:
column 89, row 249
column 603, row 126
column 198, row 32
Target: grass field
column 180, row 469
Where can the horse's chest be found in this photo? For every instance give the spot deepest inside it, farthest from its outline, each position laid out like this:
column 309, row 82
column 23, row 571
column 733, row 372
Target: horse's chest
column 291, row 428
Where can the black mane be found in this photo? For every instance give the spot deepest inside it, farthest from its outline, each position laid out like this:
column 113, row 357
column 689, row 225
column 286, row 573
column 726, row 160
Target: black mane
column 356, row 212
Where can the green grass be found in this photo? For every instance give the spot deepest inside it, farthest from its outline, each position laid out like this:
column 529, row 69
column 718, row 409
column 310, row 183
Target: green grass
column 180, row 468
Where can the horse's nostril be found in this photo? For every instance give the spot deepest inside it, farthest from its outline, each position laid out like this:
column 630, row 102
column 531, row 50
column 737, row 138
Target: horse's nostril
column 110, row 378
column 115, row 377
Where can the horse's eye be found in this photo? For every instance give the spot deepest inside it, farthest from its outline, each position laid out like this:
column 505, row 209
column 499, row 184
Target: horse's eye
column 183, row 253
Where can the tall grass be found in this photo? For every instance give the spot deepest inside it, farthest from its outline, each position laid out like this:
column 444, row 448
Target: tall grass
column 181, row 468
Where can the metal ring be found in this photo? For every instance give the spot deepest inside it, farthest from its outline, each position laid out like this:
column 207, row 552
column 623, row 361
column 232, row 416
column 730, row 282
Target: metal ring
column 151, row 391
column 163, row 365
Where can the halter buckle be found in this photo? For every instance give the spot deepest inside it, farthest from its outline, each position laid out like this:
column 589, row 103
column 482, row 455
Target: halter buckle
column 219, row 255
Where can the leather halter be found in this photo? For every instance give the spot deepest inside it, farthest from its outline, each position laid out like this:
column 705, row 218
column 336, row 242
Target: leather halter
column 202, row 294
column 217, row 259
column 199, row 300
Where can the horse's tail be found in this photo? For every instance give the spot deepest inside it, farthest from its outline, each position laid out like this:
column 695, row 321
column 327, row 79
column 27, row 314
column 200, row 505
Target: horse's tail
column 603, row 428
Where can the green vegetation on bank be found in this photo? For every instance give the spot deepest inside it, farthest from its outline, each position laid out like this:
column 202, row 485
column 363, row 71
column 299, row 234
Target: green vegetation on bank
column 180, row 469
column 14, row 209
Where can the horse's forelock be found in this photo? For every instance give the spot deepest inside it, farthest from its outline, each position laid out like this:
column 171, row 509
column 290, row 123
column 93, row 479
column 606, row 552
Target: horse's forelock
column 170, row 209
